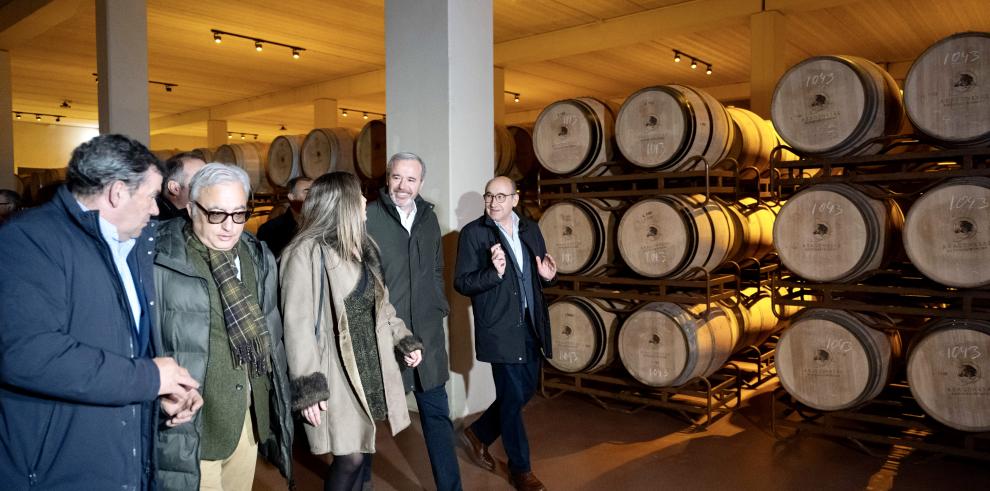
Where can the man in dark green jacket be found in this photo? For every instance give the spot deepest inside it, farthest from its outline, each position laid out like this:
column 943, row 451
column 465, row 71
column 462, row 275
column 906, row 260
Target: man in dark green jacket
column 217, row 290
column 406, row 230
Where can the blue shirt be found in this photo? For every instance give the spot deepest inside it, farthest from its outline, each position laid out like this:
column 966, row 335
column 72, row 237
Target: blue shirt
column 120, row 250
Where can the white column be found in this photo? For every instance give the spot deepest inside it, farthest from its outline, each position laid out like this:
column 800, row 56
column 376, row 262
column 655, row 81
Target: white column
column 325, row 113
column 216, row 133
column 7, row 179
column 122, row 62
column 439, row 76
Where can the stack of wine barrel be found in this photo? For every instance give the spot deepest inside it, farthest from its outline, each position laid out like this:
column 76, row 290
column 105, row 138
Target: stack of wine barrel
column 661, row 247
column 884, row 240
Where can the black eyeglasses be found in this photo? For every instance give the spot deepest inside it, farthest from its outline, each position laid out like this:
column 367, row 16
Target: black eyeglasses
column 218, row 217
column 499, row 198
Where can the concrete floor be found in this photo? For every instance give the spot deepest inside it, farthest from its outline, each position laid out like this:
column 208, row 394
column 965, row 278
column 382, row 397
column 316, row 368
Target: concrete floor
column 578, row 445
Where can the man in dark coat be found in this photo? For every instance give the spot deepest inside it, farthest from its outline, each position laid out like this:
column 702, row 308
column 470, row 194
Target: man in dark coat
column 174, row 197
column 406, row 230
column 78, row 381
column 502, row 264
column 279, row 231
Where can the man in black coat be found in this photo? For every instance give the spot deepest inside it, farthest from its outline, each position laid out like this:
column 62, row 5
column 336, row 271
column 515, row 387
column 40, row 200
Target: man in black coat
column 179, row 170
column 502, row 264
column 406, row 230
column 279, row 231
column 78, row 376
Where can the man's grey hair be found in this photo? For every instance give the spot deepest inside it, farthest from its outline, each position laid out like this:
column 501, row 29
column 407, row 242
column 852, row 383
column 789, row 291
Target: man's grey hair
column 215, row 173
column 405, row 156
column 105, row 159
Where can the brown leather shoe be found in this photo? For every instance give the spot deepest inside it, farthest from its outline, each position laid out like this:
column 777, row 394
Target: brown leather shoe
column 477, row 451
column 527, row 481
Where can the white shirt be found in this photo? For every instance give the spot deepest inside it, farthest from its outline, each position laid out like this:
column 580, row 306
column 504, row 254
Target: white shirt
column 119, row 249
column 515, row 244
column 407, row 219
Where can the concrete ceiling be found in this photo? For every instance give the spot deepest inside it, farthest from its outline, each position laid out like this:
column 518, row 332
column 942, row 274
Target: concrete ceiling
column 549, row 49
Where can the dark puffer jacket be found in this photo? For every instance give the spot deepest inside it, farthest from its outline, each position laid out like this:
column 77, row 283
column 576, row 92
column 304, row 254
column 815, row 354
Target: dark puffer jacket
column 184, row 313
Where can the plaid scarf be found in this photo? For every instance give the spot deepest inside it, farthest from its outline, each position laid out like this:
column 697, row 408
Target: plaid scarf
column 249, row 338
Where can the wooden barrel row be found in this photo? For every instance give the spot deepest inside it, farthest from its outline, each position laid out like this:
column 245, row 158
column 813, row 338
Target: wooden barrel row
column 660, row 344
column 833, row 360
column 671, row 236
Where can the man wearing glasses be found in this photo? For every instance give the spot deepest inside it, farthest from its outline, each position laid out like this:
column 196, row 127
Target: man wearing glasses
column 503, row 265
column 218, row 315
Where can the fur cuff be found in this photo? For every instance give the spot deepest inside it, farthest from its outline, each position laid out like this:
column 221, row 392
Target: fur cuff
column 409, row 344
column 309, row 390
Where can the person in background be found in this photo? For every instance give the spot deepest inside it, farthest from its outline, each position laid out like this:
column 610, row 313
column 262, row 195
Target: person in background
column 341, row 333
column 406, row 230
column 10, row 204
column 503, row 265
column 174, row 197
column 79, row 377
column 278, row 231
column 218, row 311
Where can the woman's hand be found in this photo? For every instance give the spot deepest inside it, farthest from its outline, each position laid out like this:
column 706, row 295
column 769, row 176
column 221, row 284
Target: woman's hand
column 312, row 413
column 414, row 358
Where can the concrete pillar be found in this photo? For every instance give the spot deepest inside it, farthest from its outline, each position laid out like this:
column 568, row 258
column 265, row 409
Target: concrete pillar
column 216, row 133
column 499, row 93
column 767, row 63
column 325, row 113
column 7, row 179
column 439, row 66
column 122, row 62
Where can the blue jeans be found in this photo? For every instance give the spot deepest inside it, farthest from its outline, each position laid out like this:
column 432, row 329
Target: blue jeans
column 438, row 431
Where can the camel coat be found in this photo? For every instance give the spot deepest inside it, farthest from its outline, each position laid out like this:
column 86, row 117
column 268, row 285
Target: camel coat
column 322, row 365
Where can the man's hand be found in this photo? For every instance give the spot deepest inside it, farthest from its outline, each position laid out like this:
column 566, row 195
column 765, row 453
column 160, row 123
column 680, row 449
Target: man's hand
column 174, row 379
column 547, row 267
column 181, row 407
column 498, row 259
column 413, row 359
column 312, row 413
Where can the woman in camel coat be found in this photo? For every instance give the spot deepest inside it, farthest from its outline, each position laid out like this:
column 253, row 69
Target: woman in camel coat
column 342, row 338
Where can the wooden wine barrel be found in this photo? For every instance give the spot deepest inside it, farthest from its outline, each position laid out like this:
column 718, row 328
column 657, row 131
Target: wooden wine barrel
column 762, row 322
column 206, row 153
column 947, row 371
column 670, row 235
column 666, row 345
column 524, row 165
column 583, row 335
column 249, row 156
column 327, row 150
column 577, row 234
column 829, row 106
column 370, row 151
column 946, row 93
column 755, row 141
column 947, row 232
column 663, row 127
column 831, row 359
column 283, row 159
column 505, row 150
column 758, row 235
column 573, row 136
column 834, row 232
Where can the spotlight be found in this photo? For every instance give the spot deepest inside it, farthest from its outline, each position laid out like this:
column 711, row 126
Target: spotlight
column 257, row 46
column 18, row 115
column 255, row 137
column 65, row 104
column 282, row 128
column 242, row 136
column 365, row 115
column 37, row 117
column 343, row 113
column 295, row 53
column 168, row 88
column 677, row 57
column 58, row 119
column 694, row 64
column 516, row 98
column 230, row 135
column 216, row 37
column 709, row 70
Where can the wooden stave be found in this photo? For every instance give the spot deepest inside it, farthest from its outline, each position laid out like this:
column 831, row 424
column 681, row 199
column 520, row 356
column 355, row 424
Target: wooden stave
column 714, row 143
column 250, row 156
column 369, row 150
column 505, row 150
column 950, row 399
column 600, row 122
column 757, row 239
column 882, row 221
column 923, row 242
column 339, row 156
column 919, row 97
column 881, row 97
column 880, row 346
column 278, row 172
column 604, row 326
column 756, row 139
column 602, row 223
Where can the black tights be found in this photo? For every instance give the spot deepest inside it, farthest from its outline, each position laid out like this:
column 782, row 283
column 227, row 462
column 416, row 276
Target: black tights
column 348, row 472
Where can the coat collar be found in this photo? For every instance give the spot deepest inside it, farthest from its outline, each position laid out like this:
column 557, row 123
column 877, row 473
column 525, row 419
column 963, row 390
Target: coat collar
column 89, row 220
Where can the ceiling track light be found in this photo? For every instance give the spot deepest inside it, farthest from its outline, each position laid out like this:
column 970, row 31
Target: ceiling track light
column 258, row 42
column 66, row 104
column 282, row 128
column 38, row 116
column 167, row 85
column 695, row 61
column 17, row 115
column 515, row 95
column 243, row 135
column 364, row 114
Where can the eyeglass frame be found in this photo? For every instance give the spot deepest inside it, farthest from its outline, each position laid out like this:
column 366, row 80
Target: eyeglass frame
column 214, row 213
column 489, row 197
